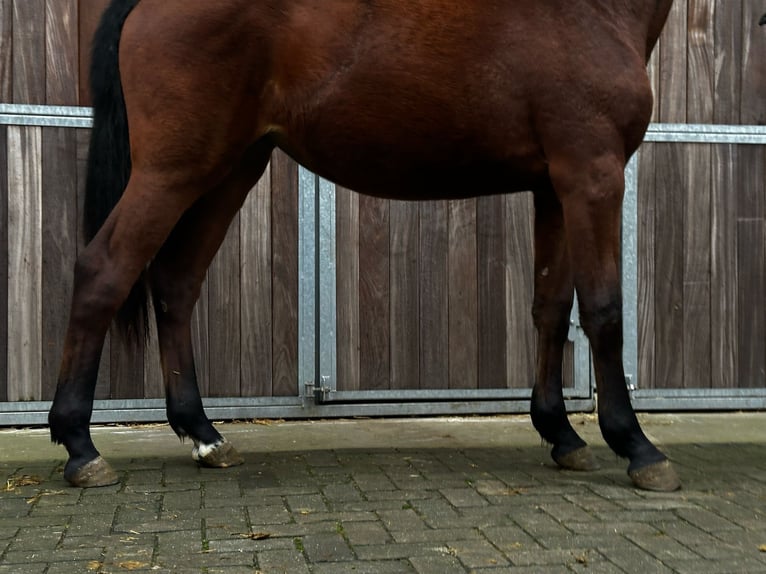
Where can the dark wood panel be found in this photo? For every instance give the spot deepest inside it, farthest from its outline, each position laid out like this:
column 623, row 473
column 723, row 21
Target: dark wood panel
column 696, row 250
column 434, row 295
column 347, row 251
column 89, row 16
column 374, row 294
column 723, row 267
column 3, row 263
column 700, row 95
column 463, row 296
column 256, row 344
column 6, row 50
column 61, row 54
column 753, row 108
column 284, row 214
column 223, row 279
column 647, row 215
column 728, row 58
column 29, row 52
column 59, row 171
column 751, row 293
column 673, row 59
column 668, row 293
column 405, row 300
column 200, row 341
column 492, row 308
column 126, row 368
column 522, row 338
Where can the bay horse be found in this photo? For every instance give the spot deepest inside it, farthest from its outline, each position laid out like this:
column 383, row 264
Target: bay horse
column 401, row 99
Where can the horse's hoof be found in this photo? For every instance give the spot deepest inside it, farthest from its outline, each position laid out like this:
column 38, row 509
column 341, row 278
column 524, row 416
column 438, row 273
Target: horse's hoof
column 660, row 477
column 218, row 455
column 579, row 459
column 96, row 473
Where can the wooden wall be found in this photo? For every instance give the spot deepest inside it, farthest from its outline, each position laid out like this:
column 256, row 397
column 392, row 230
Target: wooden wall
column 429, row 295
column 245, row 325
column 702, row 208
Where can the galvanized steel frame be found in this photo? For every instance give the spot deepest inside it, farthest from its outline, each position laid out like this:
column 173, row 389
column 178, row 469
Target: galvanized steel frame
column 317, row 314
column 673, row 399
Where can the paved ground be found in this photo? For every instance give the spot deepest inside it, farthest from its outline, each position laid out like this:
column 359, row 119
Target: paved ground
column 426, row 496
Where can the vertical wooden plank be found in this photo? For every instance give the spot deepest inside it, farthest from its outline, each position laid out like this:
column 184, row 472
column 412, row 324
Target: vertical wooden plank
column 753, row 110
column 24, row 263
column 647, row 215
column 374, row 294
column 4, row 189
column 200, row 341
column 696, row 271
column 29, row 51
column 347, row 252
column 154, row 383
column 492, row 314
column 669, row 334
column 522, row 340
column 6, row 50
column 61, row 41
column 89, row 13
column 223, row 278
column 405, row 299
column 255, row 259
column 723, row 273
column 673, row 57
column 284, row 174
column 103, row 384
column 697, row 216
column 434, row 295
column 653, row 70
column 126, row 366
column 59, row 247
column 728, row 61
column 751, row 290
column 463, row 296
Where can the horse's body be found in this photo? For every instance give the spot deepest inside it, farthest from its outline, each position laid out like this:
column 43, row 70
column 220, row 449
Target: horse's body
column 416, row 99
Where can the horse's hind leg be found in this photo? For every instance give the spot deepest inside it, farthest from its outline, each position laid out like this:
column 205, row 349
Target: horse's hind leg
column 590, row 186
column 554, row 294
column 176, row 277
column 104, row 275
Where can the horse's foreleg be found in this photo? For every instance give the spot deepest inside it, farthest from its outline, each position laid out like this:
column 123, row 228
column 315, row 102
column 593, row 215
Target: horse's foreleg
column 591, row 193
column 104, row 274
column 554, row 294
column 176, row 275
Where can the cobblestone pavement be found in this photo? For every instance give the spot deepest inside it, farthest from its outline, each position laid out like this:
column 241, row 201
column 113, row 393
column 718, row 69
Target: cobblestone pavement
column 426, row 496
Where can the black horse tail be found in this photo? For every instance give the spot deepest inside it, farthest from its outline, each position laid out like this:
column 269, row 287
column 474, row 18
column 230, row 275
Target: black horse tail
column 109, row 153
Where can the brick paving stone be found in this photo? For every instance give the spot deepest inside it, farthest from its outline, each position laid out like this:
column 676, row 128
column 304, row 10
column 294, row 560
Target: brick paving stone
column 435, row 535
column 477, row 553
column 365, row 533
column 437, row 564
column 361, row 567
column 327, row 548
column 634, row 559
column 397, row 551
column 289, row 561
column 463, row 497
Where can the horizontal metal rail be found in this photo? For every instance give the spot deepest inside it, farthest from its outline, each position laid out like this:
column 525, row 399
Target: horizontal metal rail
column 153, row 410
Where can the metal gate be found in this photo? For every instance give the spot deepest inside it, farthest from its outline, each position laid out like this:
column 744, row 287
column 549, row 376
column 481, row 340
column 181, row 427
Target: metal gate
column 318, row 393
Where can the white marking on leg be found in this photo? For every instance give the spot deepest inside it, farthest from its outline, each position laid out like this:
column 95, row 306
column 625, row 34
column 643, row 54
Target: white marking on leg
column 202, row 450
